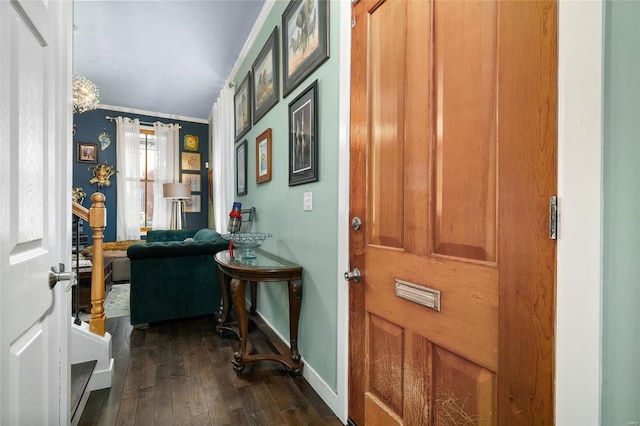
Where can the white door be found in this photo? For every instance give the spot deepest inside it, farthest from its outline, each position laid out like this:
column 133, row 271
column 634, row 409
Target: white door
column 35, row 210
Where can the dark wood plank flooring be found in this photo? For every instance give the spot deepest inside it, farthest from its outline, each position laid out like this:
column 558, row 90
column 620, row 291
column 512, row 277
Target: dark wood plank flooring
column 180, row 373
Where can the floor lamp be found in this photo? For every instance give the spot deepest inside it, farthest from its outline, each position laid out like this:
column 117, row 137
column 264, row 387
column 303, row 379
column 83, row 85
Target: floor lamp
column 177, row 192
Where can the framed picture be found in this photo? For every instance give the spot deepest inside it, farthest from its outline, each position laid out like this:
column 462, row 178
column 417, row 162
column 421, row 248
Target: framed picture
column 242, row 108
column 263, row 157
column 305, row 40
column 192, row 205
column 191, row 142
column 303, row 137
column 87, row 152
column 264, row 71
column 193, row 180
column 241, row 168
column 191, row 161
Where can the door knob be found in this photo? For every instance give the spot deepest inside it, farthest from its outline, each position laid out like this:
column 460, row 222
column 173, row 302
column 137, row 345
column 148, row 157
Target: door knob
column 354, row 275
column 55, row 276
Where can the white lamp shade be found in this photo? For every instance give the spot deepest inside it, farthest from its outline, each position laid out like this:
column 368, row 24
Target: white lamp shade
column 176, row 190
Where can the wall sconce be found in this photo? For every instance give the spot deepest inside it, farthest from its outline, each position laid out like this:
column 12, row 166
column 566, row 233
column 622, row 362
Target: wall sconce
column 177, row 193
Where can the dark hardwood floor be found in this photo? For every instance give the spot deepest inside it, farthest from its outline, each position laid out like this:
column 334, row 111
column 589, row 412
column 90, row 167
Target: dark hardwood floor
column 180, row 373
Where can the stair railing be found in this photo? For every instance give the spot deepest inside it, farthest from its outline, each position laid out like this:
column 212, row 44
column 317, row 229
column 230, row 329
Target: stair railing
column 96, row 217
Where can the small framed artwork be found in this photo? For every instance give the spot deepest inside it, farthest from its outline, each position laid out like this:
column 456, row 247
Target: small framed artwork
column 241, row 168
column 193, row 180
column 263, row 157
column 87, row 152
column 191, row 161
column 266, row 91
column 242, row 108
column 192, row 205
column 303, row 137
column 305, row 40
column 191, row 142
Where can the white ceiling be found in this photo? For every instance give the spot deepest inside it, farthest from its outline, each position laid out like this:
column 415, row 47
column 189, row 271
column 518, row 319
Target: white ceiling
column 169, row 57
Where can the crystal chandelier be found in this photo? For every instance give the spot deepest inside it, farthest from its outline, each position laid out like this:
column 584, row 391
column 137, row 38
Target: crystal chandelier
column 86, row 95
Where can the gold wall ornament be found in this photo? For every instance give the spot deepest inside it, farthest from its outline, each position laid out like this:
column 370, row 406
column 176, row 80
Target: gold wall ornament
column 102, row 173
column 77, row 194
column 191, row 142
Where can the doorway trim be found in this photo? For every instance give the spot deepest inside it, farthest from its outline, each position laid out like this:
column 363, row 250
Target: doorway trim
column 344, row 120
column 579, row 252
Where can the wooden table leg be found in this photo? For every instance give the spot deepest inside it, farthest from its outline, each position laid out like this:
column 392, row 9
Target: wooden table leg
column 295, row 302
column 237, row 288
column 223, row 282
column 254, row 297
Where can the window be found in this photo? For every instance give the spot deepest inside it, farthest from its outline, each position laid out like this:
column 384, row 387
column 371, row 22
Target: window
column 148, row 166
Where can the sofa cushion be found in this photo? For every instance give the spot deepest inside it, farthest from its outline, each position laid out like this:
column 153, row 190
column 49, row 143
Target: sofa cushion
column 157, row 235
column 121, row 246
column 206, row 234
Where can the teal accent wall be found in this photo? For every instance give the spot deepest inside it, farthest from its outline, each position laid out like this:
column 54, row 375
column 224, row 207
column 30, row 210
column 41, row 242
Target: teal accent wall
column 91, row 123
column 307, row 238
column 621, row 297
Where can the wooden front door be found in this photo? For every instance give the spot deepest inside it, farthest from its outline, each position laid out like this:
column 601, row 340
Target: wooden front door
column 453, row 161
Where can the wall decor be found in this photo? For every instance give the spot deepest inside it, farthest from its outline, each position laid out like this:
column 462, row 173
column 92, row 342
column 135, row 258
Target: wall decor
column 303, row 137
column 242, row 108
column 104, row 139
column 101, row 174
column 263, row 157
column 192, row 205
column 191, row 142
column 87, row 152
column 305, row 40
column 210, row 180
column 191, row 161
column 241, row 168
column 266, row 91
column 193, row 180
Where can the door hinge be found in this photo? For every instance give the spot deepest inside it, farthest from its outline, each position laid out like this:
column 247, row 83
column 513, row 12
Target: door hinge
column 353, row 22
column 553, row 217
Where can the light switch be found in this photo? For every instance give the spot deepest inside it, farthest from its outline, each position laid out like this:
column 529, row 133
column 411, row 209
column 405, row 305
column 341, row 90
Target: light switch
column 308, row 201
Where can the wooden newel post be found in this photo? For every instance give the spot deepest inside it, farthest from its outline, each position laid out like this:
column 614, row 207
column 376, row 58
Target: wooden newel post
column 97, row 214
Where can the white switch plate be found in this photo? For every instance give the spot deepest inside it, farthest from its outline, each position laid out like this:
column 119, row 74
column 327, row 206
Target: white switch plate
column 308, row 201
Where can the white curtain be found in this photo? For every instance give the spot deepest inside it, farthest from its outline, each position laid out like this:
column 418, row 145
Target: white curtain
column 166, row 171
column 223, row 158
column 129, row 191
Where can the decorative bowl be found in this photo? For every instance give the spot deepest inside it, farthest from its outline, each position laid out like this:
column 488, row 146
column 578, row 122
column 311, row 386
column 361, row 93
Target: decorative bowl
column 247, row 241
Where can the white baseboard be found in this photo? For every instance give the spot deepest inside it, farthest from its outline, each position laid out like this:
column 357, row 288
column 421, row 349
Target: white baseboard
column 88, row 346
column 320, row 386
column 101, row 379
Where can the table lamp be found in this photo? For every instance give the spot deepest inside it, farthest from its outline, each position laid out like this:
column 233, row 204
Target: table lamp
column 177, row 192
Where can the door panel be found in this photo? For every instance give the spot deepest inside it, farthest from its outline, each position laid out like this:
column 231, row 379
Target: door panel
column 464, row 109
column 429, row 150
column 34, row 139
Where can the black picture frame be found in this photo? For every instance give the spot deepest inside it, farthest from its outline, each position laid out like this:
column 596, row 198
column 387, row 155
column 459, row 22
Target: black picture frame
column 87, row 153
column 303, row 137
column 304, row 47
column 242, row 107
column 264, row 71
column 241, row 168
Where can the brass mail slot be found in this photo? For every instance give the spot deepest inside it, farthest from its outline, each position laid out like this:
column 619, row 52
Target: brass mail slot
column 417, row 294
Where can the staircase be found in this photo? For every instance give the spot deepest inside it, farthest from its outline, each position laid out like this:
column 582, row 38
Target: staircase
column 91, row 361
column 80, row 377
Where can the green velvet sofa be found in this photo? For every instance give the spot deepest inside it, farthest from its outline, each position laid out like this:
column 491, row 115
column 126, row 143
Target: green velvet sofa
column 174, row 275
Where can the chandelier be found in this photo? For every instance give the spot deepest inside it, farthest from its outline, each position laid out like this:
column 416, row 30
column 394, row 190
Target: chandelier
column 86, row 95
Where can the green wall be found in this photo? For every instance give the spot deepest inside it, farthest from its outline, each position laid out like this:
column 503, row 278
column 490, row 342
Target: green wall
column 621, row 297
column 307, row 238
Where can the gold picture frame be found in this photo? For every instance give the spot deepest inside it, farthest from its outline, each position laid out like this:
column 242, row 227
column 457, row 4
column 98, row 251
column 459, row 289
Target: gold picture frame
column 191, row 161
column 263, row 157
